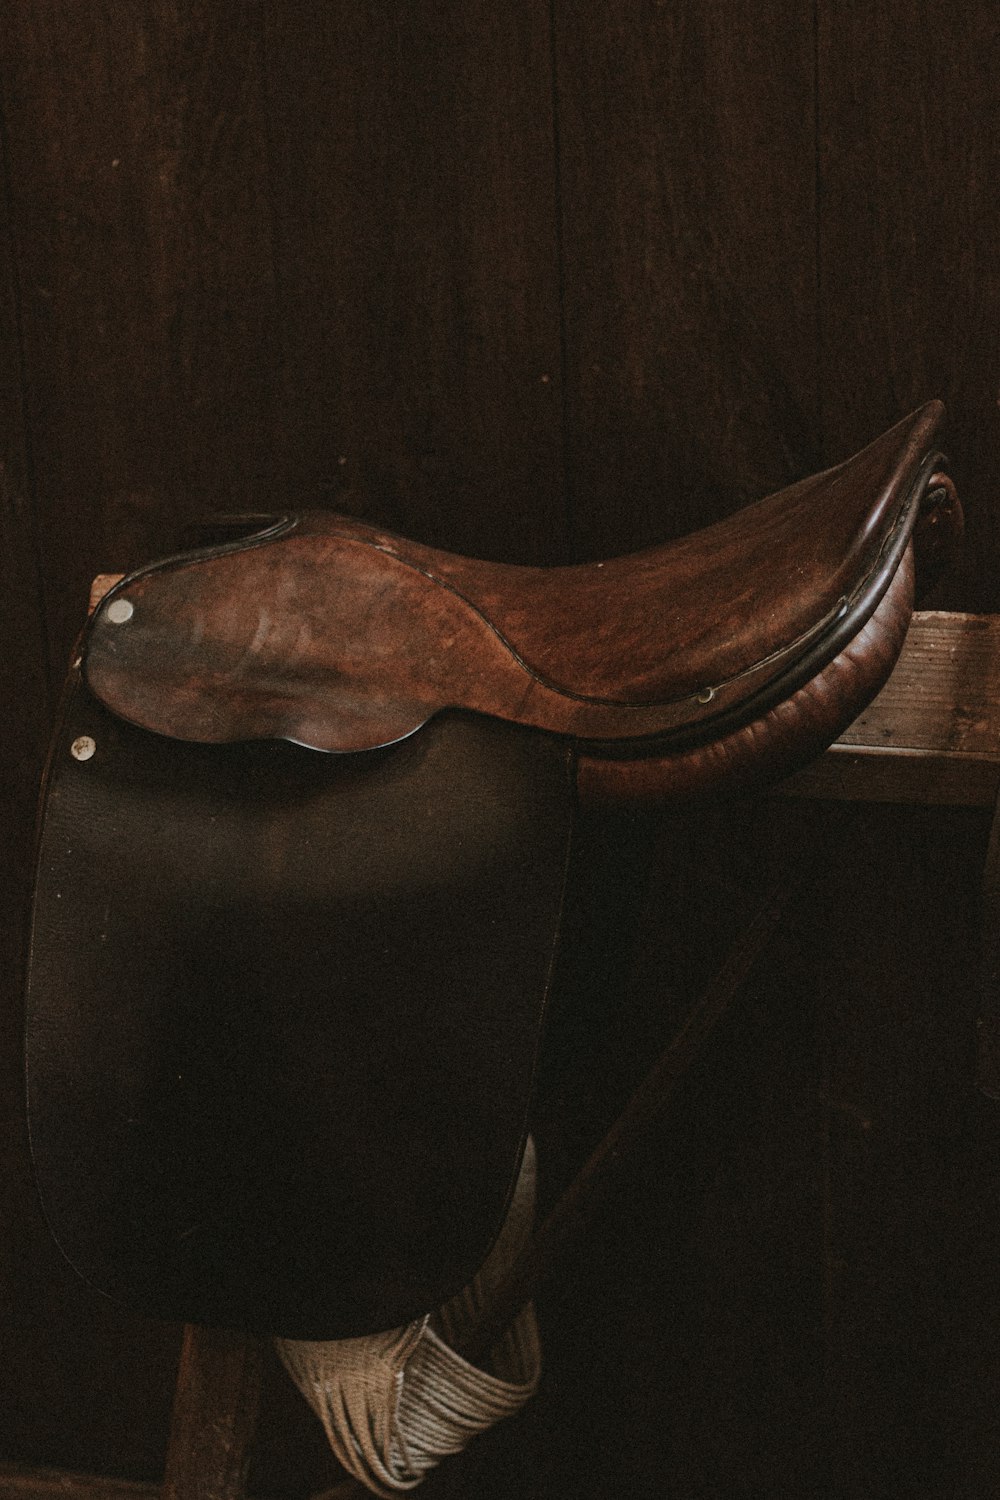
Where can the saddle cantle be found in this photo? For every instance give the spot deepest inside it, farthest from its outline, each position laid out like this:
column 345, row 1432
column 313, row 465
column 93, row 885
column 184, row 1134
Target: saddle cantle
column 284, row 1008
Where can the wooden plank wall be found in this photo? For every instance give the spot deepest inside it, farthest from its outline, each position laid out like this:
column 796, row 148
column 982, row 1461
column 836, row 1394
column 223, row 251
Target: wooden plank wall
column 907, row 148
column 689, row 286
column 540, row 282
column 908, row 138
column 414, row 232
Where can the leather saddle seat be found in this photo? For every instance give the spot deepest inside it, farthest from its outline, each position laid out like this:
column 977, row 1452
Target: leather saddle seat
column 335, row 635
column 284, row 1009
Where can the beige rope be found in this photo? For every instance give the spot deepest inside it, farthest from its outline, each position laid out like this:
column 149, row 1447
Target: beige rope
column 394, row 1404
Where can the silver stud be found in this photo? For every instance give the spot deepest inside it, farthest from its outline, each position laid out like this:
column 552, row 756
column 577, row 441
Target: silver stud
column 120, row 610
column 706, row 695
column 83, row 748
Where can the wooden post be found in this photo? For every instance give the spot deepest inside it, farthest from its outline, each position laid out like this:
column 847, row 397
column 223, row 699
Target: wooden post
column 214, row 1416
column 932, row 736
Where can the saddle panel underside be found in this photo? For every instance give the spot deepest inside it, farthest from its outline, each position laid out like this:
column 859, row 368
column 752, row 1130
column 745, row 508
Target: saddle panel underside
column 283, row 1014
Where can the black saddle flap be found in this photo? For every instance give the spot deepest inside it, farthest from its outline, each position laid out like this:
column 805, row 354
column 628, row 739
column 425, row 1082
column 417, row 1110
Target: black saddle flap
column 283, row 1014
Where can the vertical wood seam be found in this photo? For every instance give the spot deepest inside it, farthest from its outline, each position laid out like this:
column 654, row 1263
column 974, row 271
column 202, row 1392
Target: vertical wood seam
column 569, row 520
column 279, row 394
column 821, row 434
column 21, row 438
column 824, row 1120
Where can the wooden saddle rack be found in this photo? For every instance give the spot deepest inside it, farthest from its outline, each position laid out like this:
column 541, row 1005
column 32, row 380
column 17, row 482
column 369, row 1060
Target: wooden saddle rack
column 284, row 1007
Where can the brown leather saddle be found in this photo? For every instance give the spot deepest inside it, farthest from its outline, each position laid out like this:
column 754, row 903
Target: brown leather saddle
column 284, row 1007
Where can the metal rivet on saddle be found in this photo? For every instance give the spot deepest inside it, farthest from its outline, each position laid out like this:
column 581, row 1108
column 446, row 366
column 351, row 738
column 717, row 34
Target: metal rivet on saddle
column 119, row 610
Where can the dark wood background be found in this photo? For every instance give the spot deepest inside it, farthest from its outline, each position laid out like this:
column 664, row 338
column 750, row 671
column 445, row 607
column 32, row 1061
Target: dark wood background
column 544, row 281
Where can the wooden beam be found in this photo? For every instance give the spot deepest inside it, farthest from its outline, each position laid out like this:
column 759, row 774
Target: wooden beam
column 215, row 1415
column 21, row 1482
column 28, row 1482
column 932, row 735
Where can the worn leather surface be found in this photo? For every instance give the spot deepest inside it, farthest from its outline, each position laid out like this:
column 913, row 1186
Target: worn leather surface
column 785, row 738
column 283, row 1014
column 335, row 635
